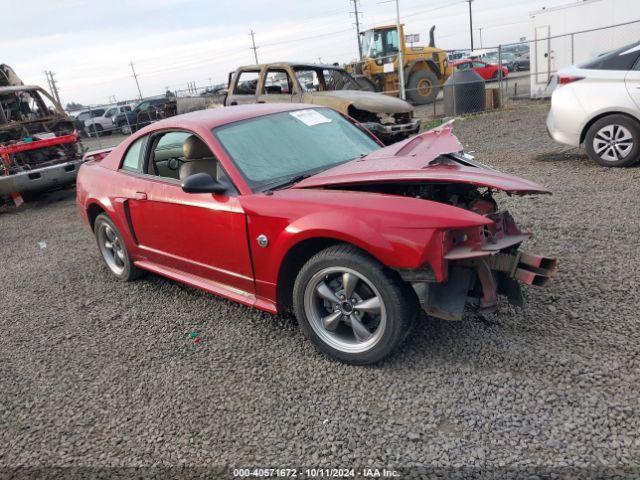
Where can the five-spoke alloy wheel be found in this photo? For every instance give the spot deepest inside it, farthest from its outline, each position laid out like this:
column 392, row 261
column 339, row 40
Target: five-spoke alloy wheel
column 349, row 307
column 113, row 250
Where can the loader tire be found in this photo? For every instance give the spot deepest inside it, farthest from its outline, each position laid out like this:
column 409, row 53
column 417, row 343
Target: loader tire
column 422, row 87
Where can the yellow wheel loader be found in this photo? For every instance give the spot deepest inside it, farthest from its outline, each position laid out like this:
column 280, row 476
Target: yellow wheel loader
column 425, row 68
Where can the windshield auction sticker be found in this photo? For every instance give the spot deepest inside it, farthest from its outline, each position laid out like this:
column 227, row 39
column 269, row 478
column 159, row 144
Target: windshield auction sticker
column 310, row 117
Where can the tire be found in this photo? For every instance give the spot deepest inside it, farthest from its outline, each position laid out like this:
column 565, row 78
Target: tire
column 380, row 302
column 365, row 83
column 497, row 75
column 422, row 87
column 124, row 127
column 614, row 141
column 96, row 130
column 117, row 257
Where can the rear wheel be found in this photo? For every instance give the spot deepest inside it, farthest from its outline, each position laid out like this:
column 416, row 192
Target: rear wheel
column 422, row 87
column 350, row 308
column 113, row 249
column 95, row 130
column 614, row 141
column 125, row 129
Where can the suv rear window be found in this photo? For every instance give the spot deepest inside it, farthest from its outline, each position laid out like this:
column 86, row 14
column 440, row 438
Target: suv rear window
column 621, row 59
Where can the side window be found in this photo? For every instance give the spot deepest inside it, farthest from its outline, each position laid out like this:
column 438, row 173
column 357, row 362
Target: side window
column 621, row 59
column 167, row 155
column 134, row 154
column 277, row 81
column 111, row 112
column 309, row 80
column 96, row 113
column 247, row 83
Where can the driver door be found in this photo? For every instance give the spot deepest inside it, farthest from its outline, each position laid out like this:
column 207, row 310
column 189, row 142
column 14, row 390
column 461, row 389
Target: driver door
column 198, row 234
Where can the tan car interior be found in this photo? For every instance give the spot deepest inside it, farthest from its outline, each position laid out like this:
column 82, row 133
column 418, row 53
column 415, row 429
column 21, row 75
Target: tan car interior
column 178, row 161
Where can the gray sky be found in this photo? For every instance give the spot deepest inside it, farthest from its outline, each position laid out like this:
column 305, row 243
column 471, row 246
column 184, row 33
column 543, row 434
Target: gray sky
column 89, row 43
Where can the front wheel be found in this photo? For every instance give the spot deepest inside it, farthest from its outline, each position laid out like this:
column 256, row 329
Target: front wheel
column 614, row 141
column 422, row 87
column 350, row 307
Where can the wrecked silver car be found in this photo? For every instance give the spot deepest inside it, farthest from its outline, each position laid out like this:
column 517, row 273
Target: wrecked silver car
column 390, row 119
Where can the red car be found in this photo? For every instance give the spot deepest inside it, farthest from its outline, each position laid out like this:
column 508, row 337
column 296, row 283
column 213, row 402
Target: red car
column 290, row 205
column 488, row 71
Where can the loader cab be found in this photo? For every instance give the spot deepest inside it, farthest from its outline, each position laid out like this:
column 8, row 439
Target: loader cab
column 380, row 42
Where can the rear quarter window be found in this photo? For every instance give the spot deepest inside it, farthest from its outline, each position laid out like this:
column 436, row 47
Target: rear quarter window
column 133, row 156
column 621, row 59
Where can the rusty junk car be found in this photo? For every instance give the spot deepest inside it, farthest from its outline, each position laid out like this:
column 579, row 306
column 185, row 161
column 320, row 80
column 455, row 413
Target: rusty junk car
column 390, row 119
column 39, row 148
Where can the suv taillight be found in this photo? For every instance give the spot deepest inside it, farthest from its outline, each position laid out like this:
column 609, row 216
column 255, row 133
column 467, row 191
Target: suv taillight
column 568, row 80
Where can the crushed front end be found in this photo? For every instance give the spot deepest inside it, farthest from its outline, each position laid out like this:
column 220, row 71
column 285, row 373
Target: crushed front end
column 39, row 147
column 388, row 127
column 482, row 263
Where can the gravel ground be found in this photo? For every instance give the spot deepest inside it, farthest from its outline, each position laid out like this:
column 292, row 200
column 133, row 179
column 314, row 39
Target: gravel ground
column 94, row 372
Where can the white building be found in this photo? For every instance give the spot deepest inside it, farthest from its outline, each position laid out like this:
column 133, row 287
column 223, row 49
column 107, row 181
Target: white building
column 570, row 42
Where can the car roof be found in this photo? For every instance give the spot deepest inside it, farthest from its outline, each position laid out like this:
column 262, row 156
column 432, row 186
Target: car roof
column 292, row 65
column 215, row 117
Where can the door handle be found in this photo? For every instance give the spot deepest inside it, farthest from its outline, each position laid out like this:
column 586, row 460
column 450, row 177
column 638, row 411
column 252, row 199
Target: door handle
column 140, row 196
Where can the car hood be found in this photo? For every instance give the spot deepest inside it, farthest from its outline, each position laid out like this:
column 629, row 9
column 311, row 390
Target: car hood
column 362, row 100
column 422, row 158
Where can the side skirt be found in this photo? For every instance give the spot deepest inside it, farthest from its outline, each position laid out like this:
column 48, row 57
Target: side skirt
column 215, row 288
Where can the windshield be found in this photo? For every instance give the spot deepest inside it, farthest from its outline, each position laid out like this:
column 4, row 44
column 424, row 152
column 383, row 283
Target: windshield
column 380, row 43
column 336, row 79
column 276, row 148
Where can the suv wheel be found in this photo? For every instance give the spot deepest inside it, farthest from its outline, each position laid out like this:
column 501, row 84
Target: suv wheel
column 125, row 129
column 614, row 141
column 113, row 250
column 350, row 307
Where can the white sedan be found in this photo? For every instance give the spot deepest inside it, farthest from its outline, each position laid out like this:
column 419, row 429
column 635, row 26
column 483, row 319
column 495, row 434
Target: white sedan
column 598, row 104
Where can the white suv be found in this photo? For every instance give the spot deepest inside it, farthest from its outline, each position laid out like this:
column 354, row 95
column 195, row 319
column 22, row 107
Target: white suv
column 598, row 104
column 101, row 124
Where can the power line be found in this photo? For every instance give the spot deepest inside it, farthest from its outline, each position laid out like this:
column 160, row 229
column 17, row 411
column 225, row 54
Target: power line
column 254, row 48
column 136, row 77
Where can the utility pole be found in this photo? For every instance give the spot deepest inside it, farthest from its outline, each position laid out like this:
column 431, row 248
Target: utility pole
column 136, row 77
column 400, row 53
column 471, row 22
column 254, row 48
column 357, row 15
column 52, row 85
column 480, row 30
column 46, row 74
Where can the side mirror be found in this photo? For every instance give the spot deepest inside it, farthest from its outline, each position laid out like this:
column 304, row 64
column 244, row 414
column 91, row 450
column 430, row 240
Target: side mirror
column 202, row 183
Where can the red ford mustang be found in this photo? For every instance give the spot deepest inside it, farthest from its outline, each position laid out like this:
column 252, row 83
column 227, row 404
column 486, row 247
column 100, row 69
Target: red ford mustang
column 278, row 206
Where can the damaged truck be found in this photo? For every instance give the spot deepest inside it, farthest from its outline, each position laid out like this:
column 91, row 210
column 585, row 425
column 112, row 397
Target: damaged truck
column 39, row 146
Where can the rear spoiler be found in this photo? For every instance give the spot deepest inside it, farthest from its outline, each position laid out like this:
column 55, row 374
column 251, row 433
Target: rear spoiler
column 96, row 155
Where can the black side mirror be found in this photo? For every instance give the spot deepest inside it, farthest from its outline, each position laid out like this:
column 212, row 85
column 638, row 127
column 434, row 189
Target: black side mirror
column 202, row 183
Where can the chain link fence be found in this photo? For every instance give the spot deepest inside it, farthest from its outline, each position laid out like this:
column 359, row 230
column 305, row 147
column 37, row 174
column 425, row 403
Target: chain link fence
column 466, row 82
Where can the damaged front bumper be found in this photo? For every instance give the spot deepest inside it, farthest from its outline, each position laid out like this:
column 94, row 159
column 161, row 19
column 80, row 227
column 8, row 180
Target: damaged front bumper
column 478, row 274
column 394, row 132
